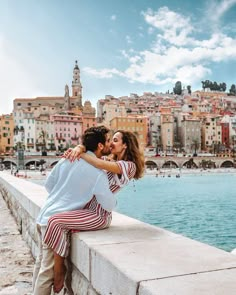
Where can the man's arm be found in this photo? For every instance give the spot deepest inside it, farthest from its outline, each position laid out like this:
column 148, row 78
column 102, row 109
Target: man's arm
column 103, row 193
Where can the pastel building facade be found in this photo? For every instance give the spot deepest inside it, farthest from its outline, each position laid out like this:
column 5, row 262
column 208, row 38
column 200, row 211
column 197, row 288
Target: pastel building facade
column 47, row 123
column 167, row 132
column 191, row 135
column 6, row 133
column 211, row 132
column 136, row 124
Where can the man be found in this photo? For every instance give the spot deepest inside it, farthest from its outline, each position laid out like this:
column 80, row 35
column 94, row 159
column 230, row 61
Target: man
column 71, row 186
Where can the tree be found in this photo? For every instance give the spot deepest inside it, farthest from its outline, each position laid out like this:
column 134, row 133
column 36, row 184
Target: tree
column 178, row 88
column 19, row 145
column 43, row 135
column 232, row 90
column 223, row 86
column 189, row 89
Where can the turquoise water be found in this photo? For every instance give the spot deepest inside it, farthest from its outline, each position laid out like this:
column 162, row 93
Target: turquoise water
column 202, row 207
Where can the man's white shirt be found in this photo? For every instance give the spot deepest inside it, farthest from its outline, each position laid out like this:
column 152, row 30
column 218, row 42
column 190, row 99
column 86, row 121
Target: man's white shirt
column 72, row 185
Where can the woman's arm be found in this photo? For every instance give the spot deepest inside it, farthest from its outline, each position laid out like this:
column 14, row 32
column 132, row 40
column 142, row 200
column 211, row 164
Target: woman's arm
column 75, row 153
column 101, row 164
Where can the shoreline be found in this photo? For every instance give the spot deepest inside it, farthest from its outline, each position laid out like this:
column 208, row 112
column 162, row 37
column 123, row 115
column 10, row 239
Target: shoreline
column 37, row 175
column 178, row 172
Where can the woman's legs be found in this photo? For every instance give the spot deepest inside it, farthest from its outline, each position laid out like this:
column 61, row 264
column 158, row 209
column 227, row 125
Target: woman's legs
column 57, row 237
column 59, row 272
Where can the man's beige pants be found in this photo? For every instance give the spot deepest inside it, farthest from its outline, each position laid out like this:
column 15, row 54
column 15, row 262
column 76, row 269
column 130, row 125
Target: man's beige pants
column 43, row 275
column 43, row 269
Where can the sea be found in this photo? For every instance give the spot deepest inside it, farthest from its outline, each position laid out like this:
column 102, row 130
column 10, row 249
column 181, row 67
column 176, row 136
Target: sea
column 201, row 206
column 198, row 206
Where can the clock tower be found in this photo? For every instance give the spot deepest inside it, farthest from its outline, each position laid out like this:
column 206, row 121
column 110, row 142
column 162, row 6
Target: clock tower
column 76, row 86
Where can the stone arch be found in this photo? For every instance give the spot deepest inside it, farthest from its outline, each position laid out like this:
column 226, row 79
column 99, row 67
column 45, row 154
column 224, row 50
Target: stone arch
column 207, row 164
column 32, row 162
column 151, row 164
column 53, row 164
column 190, row 164
column 227, row 164
column 170, row 164
column 7, row 164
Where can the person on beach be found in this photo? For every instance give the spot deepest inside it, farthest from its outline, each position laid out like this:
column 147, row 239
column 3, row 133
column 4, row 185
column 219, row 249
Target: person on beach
column 129, row 164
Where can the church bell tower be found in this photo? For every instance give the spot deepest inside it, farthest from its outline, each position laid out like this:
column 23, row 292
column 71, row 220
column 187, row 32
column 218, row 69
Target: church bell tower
column 76, row 86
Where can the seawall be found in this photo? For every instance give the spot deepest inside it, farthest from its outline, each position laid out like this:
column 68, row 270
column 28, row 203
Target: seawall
column 129, row 258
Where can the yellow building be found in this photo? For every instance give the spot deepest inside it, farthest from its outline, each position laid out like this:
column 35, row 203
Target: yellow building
column 136, row 124
column 211, row 132
column 6, row 133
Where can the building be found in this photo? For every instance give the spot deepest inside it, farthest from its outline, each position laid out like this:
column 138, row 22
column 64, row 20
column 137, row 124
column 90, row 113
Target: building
column 37, row 120
column 191, row 135
column 6, row 133
column 135, row 124
column 167, row 132
column 211, row 133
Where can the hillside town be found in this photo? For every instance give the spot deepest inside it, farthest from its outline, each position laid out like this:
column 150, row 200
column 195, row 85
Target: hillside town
column 190, row 123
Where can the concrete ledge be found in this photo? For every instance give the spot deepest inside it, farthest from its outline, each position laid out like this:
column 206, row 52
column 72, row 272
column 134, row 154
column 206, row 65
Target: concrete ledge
column 130, row 257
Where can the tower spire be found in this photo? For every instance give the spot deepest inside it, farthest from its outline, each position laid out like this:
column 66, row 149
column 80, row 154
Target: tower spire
column 76, row 85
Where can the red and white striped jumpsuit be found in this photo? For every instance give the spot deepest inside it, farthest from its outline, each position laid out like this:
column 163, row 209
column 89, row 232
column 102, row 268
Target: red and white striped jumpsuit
column 91, row 217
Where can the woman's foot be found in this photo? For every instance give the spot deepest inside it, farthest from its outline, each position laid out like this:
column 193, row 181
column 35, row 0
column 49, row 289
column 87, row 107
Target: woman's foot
column 59, row 278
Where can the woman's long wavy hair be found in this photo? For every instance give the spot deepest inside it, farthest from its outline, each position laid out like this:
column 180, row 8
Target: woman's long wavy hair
column 133, row 152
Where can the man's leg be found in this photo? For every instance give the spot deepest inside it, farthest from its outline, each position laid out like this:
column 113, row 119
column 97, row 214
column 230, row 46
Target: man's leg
column 44, row 280
column 39, row 257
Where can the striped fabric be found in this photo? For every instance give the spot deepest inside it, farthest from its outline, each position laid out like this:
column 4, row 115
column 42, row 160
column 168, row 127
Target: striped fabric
column 92, row 217
column 116, row 182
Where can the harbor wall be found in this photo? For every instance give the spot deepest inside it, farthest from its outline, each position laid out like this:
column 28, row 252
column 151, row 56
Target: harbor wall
column 129, row 258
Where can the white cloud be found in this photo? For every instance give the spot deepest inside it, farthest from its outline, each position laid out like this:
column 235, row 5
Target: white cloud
column 216, row 10
column 104, row 73
column 15, row 80
column 174, row 27
column 113, row 17
column 191, row 73
column 176, row 53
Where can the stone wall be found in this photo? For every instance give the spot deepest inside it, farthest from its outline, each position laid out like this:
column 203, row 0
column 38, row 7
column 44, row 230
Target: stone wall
column 129, row 258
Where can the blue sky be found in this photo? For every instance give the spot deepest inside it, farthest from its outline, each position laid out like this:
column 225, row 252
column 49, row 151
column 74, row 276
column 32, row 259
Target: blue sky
column 122, row 46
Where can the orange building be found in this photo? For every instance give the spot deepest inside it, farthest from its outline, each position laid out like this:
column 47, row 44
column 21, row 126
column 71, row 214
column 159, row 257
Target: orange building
column 6, row 133
column 136, row 124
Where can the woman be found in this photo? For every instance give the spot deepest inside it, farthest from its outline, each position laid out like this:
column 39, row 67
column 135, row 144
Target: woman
column 127, row 163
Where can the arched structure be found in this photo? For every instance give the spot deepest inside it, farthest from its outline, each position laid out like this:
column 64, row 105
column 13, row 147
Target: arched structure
column 8, row 164
column 151, row 165
column 29, row 163
column 190, row 164
column 227, row 164
column 170, row 164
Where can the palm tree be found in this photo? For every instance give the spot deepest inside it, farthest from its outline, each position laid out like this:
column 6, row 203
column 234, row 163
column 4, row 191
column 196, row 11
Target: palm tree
column 19, row 145
column 43, row 135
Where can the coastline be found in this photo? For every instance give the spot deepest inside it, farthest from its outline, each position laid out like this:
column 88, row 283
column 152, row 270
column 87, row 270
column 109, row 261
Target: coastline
column 178, row 172
column 36, row 175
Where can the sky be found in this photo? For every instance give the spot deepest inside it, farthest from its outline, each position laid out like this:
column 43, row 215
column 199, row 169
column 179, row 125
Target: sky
column 122, row 47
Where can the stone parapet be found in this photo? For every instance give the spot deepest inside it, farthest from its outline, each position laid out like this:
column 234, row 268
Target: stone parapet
column 131, row 257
